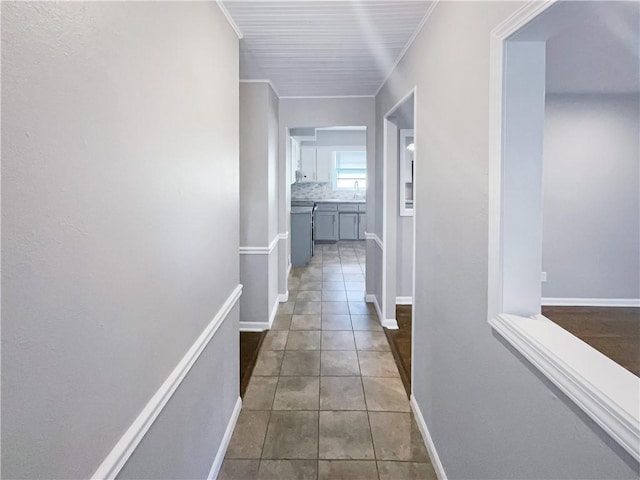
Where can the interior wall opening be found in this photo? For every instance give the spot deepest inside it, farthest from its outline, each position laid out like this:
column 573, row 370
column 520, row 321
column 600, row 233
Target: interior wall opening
column 565, row 219
column 398, row 232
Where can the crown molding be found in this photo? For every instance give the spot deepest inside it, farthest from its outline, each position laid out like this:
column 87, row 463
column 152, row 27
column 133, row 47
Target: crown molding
column 229, row 18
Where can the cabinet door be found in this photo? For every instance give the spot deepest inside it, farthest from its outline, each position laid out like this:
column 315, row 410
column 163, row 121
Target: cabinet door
column 308, row 163
column 362, row 224
column 348, row 226
column 326, row 225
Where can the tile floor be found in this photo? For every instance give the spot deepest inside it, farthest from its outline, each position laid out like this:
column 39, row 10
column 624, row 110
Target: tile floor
column 326, row 400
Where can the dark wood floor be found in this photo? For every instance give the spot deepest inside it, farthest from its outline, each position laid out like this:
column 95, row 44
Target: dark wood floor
column 400, row 343
column 613, row 331
column 249, row 347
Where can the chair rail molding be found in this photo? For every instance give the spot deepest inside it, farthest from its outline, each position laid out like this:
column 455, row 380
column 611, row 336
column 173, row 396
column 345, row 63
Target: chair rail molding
column 124, row 448
column 260, row 250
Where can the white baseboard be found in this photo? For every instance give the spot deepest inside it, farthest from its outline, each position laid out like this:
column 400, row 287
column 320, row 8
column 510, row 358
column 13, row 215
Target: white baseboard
column 283, row 297
column 389, row 323
column 404, row 301
column 260, row 326
column 428, row 441
column 590, row 302
column 222, row 450
column 115, row 460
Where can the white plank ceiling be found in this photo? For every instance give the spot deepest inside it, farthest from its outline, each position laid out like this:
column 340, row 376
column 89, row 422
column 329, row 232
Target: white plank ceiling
column 323, row 48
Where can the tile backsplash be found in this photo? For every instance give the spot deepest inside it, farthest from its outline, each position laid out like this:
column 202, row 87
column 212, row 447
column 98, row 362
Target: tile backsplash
column 319, row 191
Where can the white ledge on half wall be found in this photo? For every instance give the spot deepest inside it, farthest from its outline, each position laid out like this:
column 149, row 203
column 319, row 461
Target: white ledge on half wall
column 604, row 390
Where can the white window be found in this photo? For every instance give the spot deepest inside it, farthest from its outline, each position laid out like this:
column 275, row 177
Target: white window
column 351, row 167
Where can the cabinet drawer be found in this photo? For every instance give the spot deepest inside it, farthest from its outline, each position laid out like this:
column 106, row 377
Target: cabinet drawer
column 347, row 207
column 327, row 207
column 362, row 207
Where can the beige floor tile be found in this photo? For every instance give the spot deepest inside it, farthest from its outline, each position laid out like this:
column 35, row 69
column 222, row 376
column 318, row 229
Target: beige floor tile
column 337, row 340
column 248, row 435
column 288, row 470
column 368, row 340
column 275, row 340
column 347, row 470
column 332, row 321
column 362, row 308
column 306, row 322
column 291, row 435
column 355, row 296
column 339, row 363
column 310, row 285
column 281, row 322
column 341, row 393
column 268, row 363
column 406, row 471
column 333, row 276
column 300, row 363
column 304, row 307
column 297, row 393
column 366, row 322
column 309, row 296
column 345, row 435
column 334, row 296
column 377, row 364
column 304, row 340
column 260, row 393
column 286, row 307
column 385, row 394
column 396, row 437
column 341, row 308
column 354, row 286
column 239, row 469
column 333, row 286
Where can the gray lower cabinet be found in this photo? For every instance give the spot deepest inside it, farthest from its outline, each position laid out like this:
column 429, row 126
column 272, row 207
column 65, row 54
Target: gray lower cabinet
column 362, row 224
column 326, row 225
column 348, row 226
column 301, row 243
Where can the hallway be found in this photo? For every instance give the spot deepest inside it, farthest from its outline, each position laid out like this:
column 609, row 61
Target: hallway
column 326, row 400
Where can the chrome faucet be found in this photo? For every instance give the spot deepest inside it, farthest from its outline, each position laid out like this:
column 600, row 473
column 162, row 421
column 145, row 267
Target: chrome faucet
column 356, row 189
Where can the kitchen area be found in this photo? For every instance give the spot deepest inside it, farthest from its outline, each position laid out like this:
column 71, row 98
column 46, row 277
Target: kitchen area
column 328, row 189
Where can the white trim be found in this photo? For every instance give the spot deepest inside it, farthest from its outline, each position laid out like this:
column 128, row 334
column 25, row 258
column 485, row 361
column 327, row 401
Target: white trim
column 260, row 250
column 229, row 18
column 283, row 236
column 428, row 440
column 374, row 237
column 591, row 302
column 408, row 44
column 283, row 297
column 261, row 80
column 260, row 326
column 404, row 301
column 325, row 97
column 609, row 394
column 389, row 323
column 115, row 460
column 222, row 450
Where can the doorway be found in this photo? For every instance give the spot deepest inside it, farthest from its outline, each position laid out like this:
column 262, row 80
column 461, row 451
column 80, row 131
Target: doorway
column 399, row 233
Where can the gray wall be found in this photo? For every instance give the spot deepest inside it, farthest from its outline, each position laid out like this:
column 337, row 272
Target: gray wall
column 119, row 231
column 320, row 112
column 258, row 200
column 404, row 276
column 591, row 229
column 491, row 415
